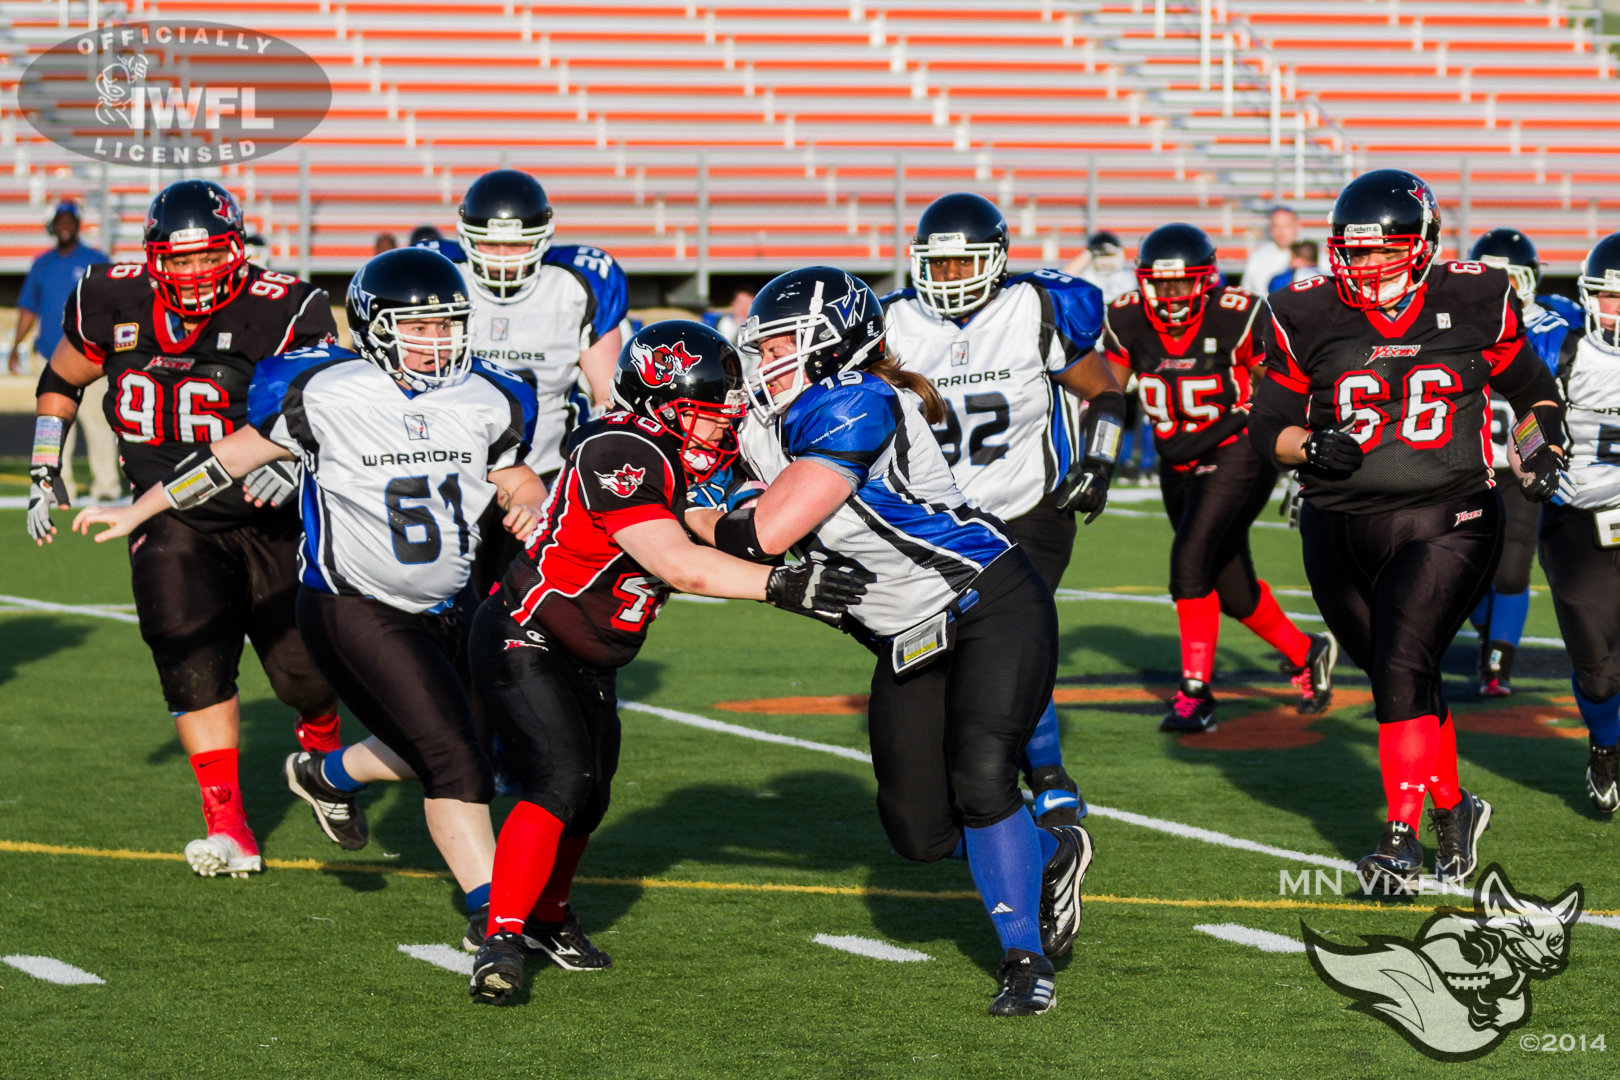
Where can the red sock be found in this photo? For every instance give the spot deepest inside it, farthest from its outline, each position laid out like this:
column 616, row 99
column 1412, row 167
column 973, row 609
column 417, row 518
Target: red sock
column 1275, row 629
column 553, row 903
column 524, row 855
column 319, row 734
column 1406, row 754
column 221, row 793
column 1443, row 784
column 1200, row 630
column 215, row 768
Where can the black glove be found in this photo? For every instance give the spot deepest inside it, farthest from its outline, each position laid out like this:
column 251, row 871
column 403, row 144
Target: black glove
column 1335, row 451
column 816, row 589
column 45, row 490
column 1545, row 468
column 1084, row 488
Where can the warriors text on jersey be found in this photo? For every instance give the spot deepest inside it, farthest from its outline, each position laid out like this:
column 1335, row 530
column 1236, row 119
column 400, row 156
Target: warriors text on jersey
column 1188, row 381
column 579, row 295
column 1411, row 389
column 573, row 582
column 1009, row 432
column 169, row 389
column 394, row 481
column 1589, row 376
column 906, row 521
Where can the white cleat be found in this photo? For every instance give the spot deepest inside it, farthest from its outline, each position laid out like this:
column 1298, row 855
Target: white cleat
column 222, row 854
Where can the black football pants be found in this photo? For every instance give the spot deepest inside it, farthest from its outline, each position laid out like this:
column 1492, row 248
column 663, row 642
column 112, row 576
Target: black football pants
column 1047, row 537
column 1519, row 519
column 1396, row 587
column 1585, row 581
column 1211, row 507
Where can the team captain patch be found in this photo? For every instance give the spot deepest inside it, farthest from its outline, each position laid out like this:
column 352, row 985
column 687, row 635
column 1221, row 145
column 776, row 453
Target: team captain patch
column 623, row 480
column 125, row 335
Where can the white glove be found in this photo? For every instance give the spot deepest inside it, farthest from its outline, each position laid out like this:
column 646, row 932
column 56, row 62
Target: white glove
column 271, row 484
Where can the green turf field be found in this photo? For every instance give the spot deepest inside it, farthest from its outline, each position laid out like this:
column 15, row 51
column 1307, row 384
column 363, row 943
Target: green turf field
column 298, row 973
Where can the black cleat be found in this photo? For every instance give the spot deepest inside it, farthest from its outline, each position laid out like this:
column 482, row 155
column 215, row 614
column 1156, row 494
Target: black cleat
column 1315, row 680
column 1061, row 906
column 565, row 943
column 1603, row 778
column 336, row 812
column 1057, row 797
column 477, row 927
column 1457, row 832
column 498, row 968
column 1496, row 669
column 1027, row 988
column 1192, row 710
column 1393, row 868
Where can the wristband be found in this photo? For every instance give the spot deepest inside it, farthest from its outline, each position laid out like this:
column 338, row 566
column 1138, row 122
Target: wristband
column 1105, row 426
column 734, row 534
column 194, row 485
column 49, row 433
column 52, row 383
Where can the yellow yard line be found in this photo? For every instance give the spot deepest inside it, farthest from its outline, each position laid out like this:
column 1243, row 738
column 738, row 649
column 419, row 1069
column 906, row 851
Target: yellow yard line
column 1280, row 904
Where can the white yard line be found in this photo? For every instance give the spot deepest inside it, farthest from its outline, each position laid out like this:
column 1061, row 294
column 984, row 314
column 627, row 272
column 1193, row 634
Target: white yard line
column 877, row 950
column 1245, row 935
column 94, row 611
column 53, row 971
column 442, row 956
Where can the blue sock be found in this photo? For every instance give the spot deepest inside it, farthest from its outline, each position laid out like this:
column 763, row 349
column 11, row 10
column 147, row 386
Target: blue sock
column 1044, row 749
column 477, row 898
column 1602, row 717
column 336, row 775
column 1508, row 612
column 1006, row 862
column 1481, row 618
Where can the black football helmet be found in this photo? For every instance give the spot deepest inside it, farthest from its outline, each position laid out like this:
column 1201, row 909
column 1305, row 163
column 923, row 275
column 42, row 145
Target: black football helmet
column 1176, row 252
column 1600, row 274
column 411, row 284
column 1512, row 251
column 677, row 372
column 505, row 207
column 1386, row 208
column 836, row 324
column 187, row 217
column 959, row 226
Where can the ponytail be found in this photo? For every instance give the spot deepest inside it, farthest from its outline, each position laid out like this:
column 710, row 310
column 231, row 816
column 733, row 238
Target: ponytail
column 889, row 370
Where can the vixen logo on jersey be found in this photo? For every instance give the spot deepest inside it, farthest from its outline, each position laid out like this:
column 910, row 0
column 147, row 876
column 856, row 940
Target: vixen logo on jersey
column 1382, row 351
column 170, row 363
column 1466, row 515
column 1176, row 365
column 623, row 480
column 661, row 366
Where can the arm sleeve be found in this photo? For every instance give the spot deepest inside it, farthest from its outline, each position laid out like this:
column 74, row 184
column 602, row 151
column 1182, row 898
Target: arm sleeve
column 1275, row 406
column 31, row 297
column 1113, row 349
column 624, row 479
column 1282, row 366
column 1525, row 380
column 1251, row 350
column 847, row 429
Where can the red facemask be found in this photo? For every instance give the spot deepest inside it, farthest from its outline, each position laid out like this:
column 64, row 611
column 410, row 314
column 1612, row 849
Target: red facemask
column 1369, row 287
column 1205, row 279
column 203, row 292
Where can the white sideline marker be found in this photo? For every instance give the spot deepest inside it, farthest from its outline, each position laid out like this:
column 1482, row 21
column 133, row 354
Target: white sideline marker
column 1611, row 921
column 877, row 950
column 442, row 956
column 1246, row 935
column 53, row 971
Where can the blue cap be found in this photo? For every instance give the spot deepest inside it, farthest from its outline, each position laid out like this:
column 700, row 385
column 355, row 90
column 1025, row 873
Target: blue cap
column 67, row 206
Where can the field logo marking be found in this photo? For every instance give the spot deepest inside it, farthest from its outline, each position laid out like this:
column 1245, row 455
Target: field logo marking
column 1458, row 988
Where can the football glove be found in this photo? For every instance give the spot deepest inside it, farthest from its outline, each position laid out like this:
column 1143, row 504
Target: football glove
column 816, row 589
column 271, row 484
column 1084, row 488
column 1335, row 451
column 725, row 491
column 45, row 490
column 1544, row 469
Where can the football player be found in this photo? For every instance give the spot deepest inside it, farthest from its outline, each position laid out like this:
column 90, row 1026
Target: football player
column 1189, row 341
column 403, row 443
column 1001, row 352
column 1580, row 528
column 1375, row 388
column 575, row 607
column 1500, row 617
column 178, row 338
column 551, row 313
column 964, row 627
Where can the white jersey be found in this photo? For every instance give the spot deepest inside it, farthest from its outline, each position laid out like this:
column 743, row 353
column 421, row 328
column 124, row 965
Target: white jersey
column 579, row 296
column 1010, row 432
column 905, row 520
column 394, row 482
column 1591, row 385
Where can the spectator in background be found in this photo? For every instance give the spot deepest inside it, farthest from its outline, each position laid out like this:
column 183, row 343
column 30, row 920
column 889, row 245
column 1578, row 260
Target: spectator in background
column 1103, row 264
column 1303, row 256
column 384, row 242
column 1272, row 257
column 729, row 322
column 53, row 276
column 423, row 232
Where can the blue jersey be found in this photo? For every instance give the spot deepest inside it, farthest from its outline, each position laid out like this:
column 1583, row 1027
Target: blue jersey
column 905, row 520
column 51, row 279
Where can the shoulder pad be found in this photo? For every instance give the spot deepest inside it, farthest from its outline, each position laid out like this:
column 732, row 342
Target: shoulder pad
column 1126, row 299
column 450, row 249
column 313, row 354
column 1050, row 280
column 1564, row 307
column 1306, row 284
column 907, row 293
column 581, row 257
column 118, row 271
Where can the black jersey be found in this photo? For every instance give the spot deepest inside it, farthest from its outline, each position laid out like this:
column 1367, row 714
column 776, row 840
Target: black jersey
column 580, row 588
column 169, row 390
column 1191, row 380
column 1412, row 389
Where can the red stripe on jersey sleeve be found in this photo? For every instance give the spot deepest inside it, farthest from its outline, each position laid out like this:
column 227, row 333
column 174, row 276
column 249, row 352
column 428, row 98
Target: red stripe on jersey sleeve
column 1298, row 386
column 1500, row 355
column 635, row 515
column 1294, row 378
